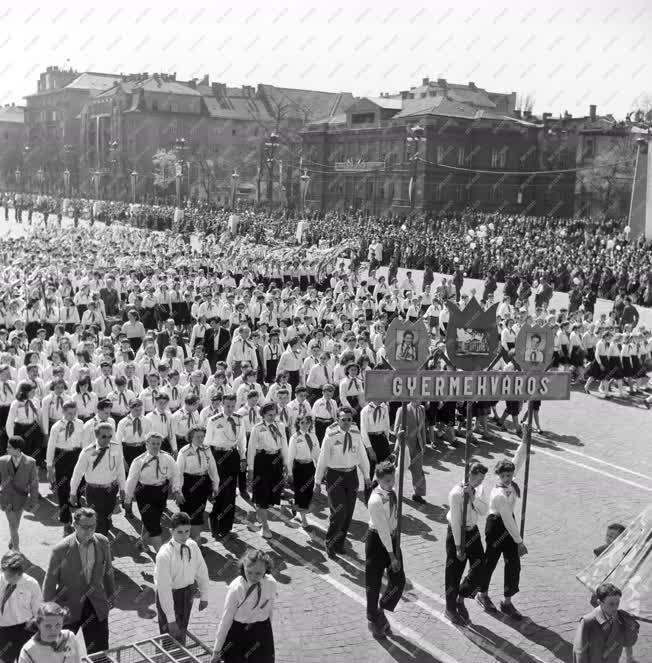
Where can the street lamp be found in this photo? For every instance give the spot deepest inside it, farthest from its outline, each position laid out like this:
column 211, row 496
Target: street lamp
column 40, row 176
column 305, row 181
column 134, row 179
column 17, row 174
column 66, row 182
column 415, row 136
column 180, row 147
column 113, row 151
column 234, row 187
column 271, row 145
column 26, row 164
column 68, row 161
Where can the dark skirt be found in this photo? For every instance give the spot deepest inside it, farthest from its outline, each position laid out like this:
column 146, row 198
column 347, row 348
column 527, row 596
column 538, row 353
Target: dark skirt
column 446, row 414
column 267, row 479
column 639, row 367
column 512, row 408
column 33, row 436
column 628, row 369
column 238, row 645
column 590, row 354
column 270, row 372
column 4, row 413
column 594, row 370
column 294, row 379
column 197, row 488
column 615, row 369
column 320, row 428
column 481, row 409
column 577, row 357
column 151, row 501
column 303, row 480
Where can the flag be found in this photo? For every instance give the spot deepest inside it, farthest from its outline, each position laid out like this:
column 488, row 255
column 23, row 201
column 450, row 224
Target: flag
column 627, row 563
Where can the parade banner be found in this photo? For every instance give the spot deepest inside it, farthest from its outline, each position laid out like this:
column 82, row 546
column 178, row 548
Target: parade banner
column 409, row 385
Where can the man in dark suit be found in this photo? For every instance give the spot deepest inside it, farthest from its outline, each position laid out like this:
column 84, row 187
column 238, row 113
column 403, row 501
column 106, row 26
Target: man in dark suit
column 217, row 341
column 109, row 295
column 80, row 578
column 163, row 337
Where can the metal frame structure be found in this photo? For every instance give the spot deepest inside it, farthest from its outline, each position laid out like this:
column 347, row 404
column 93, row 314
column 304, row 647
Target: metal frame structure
column 159, row 649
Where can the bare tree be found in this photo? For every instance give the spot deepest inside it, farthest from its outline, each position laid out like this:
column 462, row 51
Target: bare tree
column 524, row 101
column 165, row 163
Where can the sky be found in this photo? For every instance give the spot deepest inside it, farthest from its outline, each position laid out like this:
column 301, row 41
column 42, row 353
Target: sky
column 566, row 55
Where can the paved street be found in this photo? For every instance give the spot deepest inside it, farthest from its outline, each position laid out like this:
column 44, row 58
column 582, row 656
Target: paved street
column 592, row 467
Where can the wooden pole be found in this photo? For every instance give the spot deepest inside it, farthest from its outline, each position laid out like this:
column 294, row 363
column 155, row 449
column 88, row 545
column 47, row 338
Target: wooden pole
column 467, row 462
column 527, row 432
column 401, row 472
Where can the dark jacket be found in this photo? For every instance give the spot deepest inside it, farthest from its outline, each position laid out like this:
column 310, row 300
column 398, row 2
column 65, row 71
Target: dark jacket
column 65, row 582
column 593, row 644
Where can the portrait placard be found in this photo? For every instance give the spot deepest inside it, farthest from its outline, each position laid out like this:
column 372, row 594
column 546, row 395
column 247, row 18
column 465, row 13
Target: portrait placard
column 407, row 344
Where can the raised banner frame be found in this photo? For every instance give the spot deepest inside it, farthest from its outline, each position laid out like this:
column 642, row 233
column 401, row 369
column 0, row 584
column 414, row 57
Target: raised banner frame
column 445, row 386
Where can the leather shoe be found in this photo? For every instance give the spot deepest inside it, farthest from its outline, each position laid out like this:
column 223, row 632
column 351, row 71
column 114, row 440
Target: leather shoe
column 376, row 629
column 510, row 611
column 418, row 499
column 462, row 611
column 454, row 617
column 486, row 603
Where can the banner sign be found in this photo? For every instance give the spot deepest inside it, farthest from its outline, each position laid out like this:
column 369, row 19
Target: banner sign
column 409, row 385
column 359, row 167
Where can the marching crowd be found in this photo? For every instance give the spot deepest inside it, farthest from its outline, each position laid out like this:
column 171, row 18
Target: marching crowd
column 135, row 370
column 588, row 258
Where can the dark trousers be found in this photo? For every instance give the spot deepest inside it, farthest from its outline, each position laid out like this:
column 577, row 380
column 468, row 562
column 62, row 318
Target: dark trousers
column 131, row 452
column 64, row 464
column 242, row 477
column 182, row 599
column 380, row 445
column 228, row 469
column 12, row 639
column 103, row 500
column 342, row 489
column 499, row 542
column 376, row 564
column 96, row 631
column 470, row 586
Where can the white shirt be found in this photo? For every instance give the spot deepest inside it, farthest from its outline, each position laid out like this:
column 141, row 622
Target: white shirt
column 333, row 456
column 246, row 611
column 196, row 461
column 503, row 500
column 59, row 440
column 374, row 418
column 382, row 517
column 144, row 469
column 161, row 423
column 23, row 602
column 172, row 571
column 298, row 449
column 262, row 439
column 476, row 507
column 224, row 432
column 109, row 470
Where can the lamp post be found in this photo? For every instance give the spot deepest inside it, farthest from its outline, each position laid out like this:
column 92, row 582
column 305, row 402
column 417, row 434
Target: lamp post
column 180, row 147
column 235, row 177
column 68, row 161
column 415, row 136
column 271, row 145
column 134, row 180
column 26, row 165
column 113, row 151
column 18, row 175
column 40, row 177
column 305, row 181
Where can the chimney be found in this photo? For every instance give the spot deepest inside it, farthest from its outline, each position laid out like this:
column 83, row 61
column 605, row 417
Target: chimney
column 205, row 80
column 425, row 82
column 567, row 115
column 527, row 114
column 517, row 113
column 472, row 85
column 592, row 112
column 405, row 94
column 442, row 82
column 215, row 89
column 546, row 116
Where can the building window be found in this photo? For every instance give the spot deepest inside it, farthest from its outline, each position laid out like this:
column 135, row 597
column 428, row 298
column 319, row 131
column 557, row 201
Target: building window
column 441, row 154
column 233, row 132
column 174, row 108
column 589, row 147
column 494, row 157
column 363, row 118
column 460, row 156
column 154, row 105
column 502, row 160
column 256, row 131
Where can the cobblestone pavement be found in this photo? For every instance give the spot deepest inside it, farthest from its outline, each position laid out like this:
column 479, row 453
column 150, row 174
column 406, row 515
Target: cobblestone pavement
column 592, row 468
